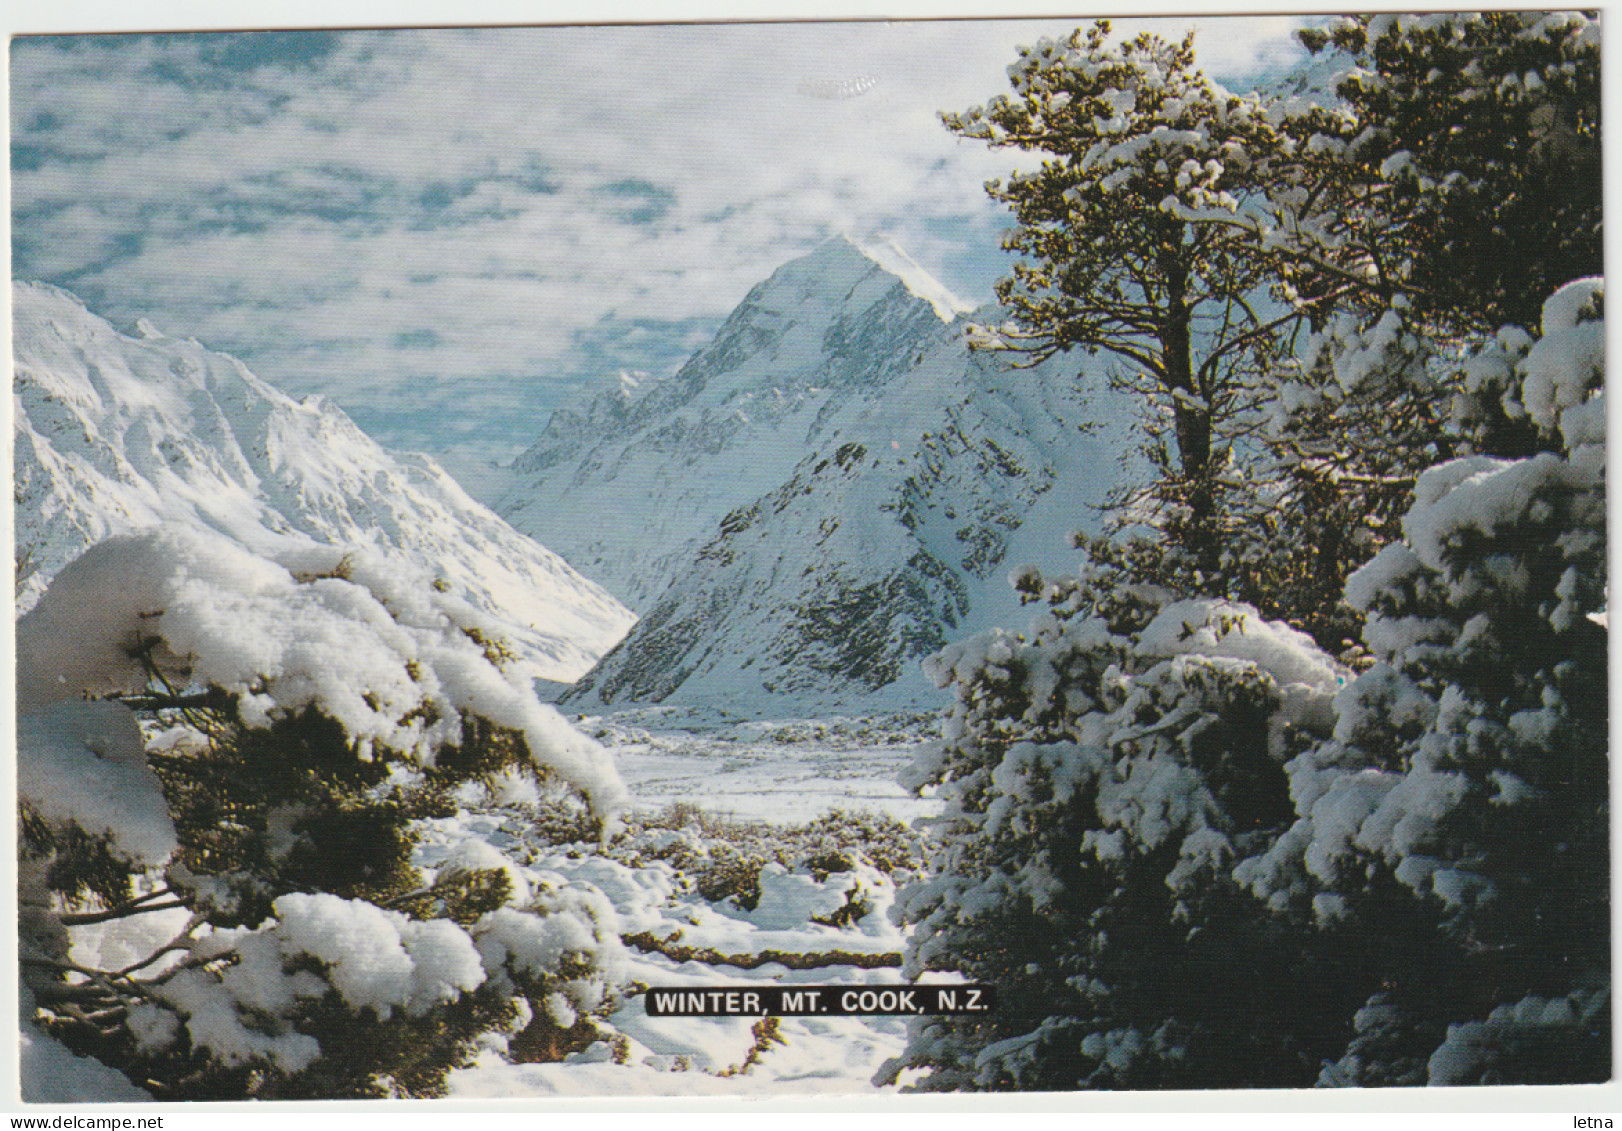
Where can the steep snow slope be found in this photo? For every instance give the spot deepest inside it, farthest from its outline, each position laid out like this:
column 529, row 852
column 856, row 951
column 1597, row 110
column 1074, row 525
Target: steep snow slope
column 631, row 482
column 834, row 487
column 116, row 432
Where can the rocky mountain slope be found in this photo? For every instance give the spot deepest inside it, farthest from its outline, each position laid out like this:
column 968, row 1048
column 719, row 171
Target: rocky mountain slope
column 114, row 432
column 834, row 487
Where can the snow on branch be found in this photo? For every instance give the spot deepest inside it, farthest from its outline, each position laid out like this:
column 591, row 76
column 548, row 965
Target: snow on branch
column 396, row 663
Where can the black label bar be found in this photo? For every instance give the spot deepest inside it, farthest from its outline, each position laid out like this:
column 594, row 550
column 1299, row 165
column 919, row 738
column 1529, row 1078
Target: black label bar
column 817, row 1001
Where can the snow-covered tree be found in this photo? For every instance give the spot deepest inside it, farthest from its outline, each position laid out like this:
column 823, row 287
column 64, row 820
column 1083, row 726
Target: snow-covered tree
column 1459, row 817
column 1460, row 169
column 1187, row 861
column 221, row 759
column 1192, row 850
column 1450, row 187
column 1128, row 247
column 1101, row 772
column 1348, row 425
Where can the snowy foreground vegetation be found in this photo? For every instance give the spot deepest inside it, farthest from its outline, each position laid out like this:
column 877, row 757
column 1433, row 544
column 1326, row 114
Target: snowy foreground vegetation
column 1300, row 780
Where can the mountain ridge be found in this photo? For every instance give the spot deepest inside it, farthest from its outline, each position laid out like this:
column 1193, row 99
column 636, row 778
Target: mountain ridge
column 816, row 331
column 118, row 431
column 824, row 493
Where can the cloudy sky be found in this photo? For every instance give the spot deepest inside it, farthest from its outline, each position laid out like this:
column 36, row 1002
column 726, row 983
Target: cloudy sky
column 449, row 230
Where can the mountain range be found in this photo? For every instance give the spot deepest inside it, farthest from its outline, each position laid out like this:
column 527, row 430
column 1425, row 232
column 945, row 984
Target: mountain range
column 834, row 487
column 117, row 431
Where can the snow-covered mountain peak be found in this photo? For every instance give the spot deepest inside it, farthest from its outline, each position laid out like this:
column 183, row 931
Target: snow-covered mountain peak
column 850, row 272
column 889, row 255
column 833, row 266
column 829, row 323
column 825, row 492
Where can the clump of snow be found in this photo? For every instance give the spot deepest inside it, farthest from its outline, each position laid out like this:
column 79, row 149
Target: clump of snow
column 1472, row 1049
column 376, row 959
column 573, row 930
column 50, row 1074
column 85, row 763
column 473, row 855
column 379, row 958
column 369, row 642
column 1568, row 362
column 789, row 899
column 1223, row 629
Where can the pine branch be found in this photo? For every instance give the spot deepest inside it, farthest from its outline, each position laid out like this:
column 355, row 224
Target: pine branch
column 181, row 941
column 122, row 912
column 212, row 699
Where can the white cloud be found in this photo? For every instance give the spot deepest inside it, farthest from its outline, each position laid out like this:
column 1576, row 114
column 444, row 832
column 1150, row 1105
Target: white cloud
column 422, row 206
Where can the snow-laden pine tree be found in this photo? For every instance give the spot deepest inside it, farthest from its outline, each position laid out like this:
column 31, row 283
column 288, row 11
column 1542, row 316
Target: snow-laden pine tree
column 1461, row 167
column 1445, row 188
column 1101, row 772
column 221, row 758
column 1118, row 852
column 1131, row 248
column 1458, row 821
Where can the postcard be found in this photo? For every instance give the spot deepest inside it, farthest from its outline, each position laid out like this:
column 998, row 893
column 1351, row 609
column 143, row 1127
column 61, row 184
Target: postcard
column 811, row 558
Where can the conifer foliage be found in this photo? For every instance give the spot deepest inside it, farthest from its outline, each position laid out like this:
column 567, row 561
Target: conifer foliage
column 1102, row 772
column 221, row 761
column 1462, row 170
column 1192, row 847
column 1121, row 254
column 1462, row 799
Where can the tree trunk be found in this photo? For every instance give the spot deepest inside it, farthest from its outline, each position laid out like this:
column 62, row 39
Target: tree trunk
column 1191, row 416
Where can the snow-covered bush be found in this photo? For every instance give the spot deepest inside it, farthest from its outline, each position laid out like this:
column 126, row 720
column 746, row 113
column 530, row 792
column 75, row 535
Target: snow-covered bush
column 1192, row 850
column 1459, row 814
column 221, row 758
column 1101, row 772
column 724, row 860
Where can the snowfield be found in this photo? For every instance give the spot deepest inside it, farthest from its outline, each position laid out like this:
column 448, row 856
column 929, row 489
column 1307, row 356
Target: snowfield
column 764, row 775
column 784, row 770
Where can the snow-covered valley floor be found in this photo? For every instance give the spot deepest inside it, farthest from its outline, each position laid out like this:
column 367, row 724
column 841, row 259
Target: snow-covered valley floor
column 772, row 769
column 710, row 792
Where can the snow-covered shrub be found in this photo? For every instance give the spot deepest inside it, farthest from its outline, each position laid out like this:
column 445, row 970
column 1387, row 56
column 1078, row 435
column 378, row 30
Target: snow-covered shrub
column 1457, row 820
column 1101, row 772
column 221, row 758
column 724, row 859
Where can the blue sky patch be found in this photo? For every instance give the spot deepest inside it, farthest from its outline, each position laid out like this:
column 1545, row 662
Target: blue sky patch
column 640, row 202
